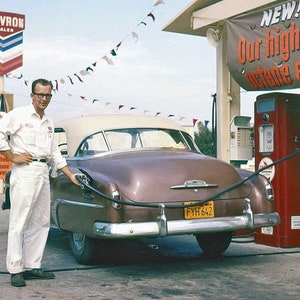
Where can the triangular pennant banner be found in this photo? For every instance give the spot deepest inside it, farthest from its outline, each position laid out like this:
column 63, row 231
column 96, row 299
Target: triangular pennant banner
column 151, row 16
column 108, row 60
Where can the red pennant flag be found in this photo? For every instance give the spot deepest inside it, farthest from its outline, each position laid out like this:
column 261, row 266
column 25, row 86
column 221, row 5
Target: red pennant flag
column 120, row 106
column 194, row 121
column 82, row 97
column 78, row 77
column 71, row 80
column 151, row 16
column 158, row 113
column 118, row 46
column 56, row 84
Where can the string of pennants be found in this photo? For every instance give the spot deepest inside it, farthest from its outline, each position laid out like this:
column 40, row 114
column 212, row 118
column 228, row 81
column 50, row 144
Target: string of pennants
column 108, row 58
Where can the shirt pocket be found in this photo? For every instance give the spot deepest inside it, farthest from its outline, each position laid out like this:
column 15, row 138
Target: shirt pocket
column 28, row 134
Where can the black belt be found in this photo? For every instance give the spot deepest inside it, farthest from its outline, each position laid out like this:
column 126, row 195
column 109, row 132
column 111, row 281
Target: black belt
column 43, row 160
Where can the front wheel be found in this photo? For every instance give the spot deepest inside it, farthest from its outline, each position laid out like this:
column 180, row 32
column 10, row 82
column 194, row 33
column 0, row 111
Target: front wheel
column 83, row 248
column 213, row 244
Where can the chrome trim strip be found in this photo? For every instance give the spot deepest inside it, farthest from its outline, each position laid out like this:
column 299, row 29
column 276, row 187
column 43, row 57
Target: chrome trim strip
column 82, row 204
column 195, row 183
column 194, row 186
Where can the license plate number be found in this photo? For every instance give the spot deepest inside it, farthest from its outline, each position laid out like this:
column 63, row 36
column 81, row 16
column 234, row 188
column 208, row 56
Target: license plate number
column 205, row 210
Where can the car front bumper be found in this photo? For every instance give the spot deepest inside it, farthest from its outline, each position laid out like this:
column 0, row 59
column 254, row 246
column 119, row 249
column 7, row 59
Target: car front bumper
column 162, row 227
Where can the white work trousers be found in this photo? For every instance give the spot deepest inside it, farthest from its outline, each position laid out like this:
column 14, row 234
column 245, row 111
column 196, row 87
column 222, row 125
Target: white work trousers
column 29, row 220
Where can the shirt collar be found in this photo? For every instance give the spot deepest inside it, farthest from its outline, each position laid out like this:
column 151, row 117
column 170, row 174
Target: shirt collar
column 33, row 112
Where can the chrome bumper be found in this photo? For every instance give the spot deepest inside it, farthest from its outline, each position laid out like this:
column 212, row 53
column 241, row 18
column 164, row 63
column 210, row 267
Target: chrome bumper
column 162, row 227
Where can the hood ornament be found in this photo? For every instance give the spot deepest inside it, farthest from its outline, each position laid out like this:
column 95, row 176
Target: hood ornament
column 194, row 184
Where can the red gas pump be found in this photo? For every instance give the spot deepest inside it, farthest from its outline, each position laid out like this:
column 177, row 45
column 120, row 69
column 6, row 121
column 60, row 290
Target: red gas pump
column 277, row 134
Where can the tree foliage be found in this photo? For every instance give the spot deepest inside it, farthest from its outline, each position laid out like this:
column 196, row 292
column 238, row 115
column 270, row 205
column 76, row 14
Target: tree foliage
column 204, row 140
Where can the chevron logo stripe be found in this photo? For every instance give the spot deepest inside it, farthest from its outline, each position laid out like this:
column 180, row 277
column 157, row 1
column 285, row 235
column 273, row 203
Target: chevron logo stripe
column 11, row 41
column 11, row 54
column 8, row 47
column 11, row 65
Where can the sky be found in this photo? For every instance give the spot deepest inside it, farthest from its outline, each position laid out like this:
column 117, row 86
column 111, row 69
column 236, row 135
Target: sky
column 154, row 73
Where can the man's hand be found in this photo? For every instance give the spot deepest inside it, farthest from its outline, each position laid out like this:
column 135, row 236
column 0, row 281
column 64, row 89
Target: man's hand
column 74, row 179
column 72, row 176
column 23, row 158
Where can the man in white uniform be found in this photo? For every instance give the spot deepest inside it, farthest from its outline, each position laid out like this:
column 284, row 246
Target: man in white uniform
column 30, row 147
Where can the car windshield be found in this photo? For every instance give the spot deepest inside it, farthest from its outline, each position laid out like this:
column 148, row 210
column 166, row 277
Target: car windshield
column 125, row 139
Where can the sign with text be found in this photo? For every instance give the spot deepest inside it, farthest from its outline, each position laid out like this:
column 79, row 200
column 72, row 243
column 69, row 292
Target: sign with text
column 11, row 23
column 11, row 38
column 263, row 48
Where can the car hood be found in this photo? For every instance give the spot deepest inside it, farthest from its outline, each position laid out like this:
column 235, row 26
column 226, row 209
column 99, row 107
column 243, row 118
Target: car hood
column 167, row 176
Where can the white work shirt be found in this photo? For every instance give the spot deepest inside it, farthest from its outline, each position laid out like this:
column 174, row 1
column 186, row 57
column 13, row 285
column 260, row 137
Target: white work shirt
column 30, row 134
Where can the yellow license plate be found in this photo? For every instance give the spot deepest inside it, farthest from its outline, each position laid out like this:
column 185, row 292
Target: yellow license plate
column 205, row 210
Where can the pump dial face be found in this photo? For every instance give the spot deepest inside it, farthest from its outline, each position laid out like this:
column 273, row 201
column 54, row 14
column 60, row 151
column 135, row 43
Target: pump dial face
column 266, row 117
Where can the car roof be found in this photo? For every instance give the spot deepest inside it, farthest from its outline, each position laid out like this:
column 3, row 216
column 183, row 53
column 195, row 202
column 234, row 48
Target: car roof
column 79, row 128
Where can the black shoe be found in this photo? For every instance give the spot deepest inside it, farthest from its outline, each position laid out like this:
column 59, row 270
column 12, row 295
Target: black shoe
column 38, row 274
column 17, row 280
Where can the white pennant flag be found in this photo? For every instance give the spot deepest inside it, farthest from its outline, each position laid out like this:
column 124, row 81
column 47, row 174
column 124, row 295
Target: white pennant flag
column 108, row 60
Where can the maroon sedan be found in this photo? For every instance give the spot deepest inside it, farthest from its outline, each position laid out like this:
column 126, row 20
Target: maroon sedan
column 145, row 177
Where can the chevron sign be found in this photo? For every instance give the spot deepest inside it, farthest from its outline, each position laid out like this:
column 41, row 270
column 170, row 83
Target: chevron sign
column 11, row 38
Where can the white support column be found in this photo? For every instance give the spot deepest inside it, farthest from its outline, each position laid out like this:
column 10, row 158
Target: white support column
column 1, row 84
column 228, row 100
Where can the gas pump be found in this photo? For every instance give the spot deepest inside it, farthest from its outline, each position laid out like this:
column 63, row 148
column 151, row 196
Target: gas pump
column 277, row 134
column 240, row 140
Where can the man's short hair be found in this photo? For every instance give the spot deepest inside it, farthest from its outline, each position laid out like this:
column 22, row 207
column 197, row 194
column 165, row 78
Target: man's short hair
column 41, row 81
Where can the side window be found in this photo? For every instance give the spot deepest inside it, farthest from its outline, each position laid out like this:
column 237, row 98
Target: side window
column 61, row 140
column 162, row 138
column 123, row 139
column 119, row 140
column 92, row 145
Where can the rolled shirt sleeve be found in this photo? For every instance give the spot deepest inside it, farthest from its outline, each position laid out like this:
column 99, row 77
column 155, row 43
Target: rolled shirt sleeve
column 56, row 160
column 9, row 124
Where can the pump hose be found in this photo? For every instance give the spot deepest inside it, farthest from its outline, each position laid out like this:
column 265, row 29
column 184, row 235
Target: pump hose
column 158, row 205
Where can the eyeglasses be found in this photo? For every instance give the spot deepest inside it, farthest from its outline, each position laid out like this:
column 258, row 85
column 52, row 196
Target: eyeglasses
column 41, row 96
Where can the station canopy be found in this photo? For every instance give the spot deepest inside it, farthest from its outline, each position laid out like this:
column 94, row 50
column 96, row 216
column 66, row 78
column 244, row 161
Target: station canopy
column 263, row 38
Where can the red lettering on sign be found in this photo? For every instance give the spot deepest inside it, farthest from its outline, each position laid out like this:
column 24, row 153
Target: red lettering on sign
column 283, row 43
column 297, row 70
column 248, row 51
column 266, row 78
